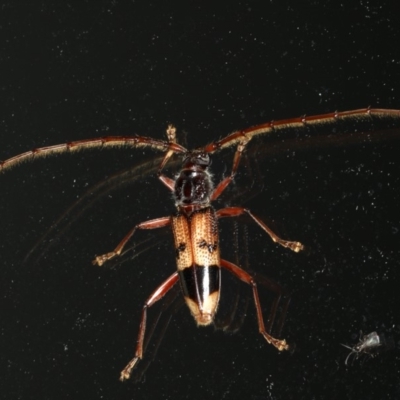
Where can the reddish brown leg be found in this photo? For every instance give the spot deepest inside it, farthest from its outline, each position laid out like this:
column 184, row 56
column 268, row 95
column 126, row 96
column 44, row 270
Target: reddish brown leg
column 159, row 293
column 152, row 224
column 169, row 308
column 247, row 278
column 236, row 160
column 281, row 294
column 155, row 223
column 168, row 182
column 237, row 211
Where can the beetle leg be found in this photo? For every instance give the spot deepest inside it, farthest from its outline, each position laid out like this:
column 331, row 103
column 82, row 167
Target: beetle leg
column 171, row 134
column 236, row 160
column 159, row 293
column 282, row 297
column 237, row 211
column 152, row 224
column 247, row 278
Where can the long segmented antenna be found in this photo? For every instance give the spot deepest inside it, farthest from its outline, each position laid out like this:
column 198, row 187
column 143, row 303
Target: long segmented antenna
column 314, row 120
column 108, row 141
column 172, row 147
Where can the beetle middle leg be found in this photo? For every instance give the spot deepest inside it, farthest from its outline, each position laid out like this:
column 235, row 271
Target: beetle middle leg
column 247, row 278
column 151, row 224
column 237, row 211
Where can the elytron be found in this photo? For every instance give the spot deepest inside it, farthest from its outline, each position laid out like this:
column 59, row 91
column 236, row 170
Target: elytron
column 195, row 222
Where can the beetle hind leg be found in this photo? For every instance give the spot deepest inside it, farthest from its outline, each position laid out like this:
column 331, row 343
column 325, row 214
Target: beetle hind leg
column 247, row 278
column 159, row 293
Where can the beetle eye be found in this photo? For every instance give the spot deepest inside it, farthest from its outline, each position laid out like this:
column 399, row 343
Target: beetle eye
column 199, row 159
column 203, row 159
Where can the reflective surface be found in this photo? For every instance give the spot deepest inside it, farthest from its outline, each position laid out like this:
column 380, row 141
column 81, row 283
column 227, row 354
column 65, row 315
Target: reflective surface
column 68, row 328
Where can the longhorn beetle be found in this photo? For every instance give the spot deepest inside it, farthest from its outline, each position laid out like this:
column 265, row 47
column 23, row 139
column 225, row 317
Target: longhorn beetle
column 195, row 230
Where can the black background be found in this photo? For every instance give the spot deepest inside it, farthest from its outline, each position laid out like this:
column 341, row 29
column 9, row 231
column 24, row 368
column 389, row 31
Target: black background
column 99, row 68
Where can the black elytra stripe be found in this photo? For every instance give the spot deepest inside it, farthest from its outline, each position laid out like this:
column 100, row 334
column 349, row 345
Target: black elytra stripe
column 197, row 282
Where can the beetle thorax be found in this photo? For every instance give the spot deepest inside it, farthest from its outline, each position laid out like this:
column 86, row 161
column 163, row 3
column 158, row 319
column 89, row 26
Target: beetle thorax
column 194, row 186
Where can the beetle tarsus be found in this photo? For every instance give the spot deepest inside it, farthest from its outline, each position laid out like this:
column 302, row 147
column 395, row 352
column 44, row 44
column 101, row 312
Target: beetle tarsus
column 295, row 246
column 100, row 260
column 126, row 372
column 281, row 345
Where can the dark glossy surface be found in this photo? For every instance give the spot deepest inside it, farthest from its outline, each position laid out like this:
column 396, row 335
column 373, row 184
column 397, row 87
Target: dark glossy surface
column 71, row 72
column 192, row 187
column 198, row 282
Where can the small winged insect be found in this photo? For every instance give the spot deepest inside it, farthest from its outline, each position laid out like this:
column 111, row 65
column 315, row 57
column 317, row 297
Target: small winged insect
column 195, row 223
column 369, row 345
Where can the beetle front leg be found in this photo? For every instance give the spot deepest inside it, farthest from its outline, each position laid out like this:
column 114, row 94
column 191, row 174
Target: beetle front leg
column 152, row 224
column 171, row 134
column 236, row 161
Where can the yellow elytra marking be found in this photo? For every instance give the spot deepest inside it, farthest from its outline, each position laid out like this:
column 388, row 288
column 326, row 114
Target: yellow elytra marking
column 196, row 239
column 203, row 227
